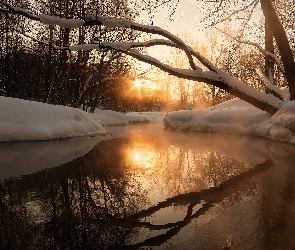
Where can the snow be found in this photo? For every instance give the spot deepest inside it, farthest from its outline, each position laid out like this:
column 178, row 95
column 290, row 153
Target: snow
column 112, row 118
column 23, row 120
column 62, row 22
column 28, row 120
column 237, row 117
column 84, row 47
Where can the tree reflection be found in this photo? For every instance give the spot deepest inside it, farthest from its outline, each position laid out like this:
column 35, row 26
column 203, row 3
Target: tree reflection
column 41, row 210
column 106, row 198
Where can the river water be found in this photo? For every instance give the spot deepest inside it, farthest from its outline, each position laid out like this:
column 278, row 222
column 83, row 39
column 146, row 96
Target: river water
column 143, row 187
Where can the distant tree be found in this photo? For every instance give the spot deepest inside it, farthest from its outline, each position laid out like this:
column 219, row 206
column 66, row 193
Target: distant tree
column 61, row 76
column 213, row 75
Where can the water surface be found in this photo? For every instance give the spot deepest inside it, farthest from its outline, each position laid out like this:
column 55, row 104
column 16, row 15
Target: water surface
column 142, row 187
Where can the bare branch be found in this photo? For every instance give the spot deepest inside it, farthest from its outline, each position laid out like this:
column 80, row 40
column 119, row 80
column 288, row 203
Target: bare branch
column 19, row 11
column 234, row 13
column 256, row 45
column 249, row 18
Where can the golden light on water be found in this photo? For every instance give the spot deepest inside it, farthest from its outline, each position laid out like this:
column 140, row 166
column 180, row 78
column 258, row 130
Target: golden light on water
column 142, row 158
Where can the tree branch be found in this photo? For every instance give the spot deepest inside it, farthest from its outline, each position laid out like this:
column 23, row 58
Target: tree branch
column 219, row 79
column 130, row 45
column 256, row 45
column 274, row 90
column 18, row 11
column 234, row 13
column 125, row 23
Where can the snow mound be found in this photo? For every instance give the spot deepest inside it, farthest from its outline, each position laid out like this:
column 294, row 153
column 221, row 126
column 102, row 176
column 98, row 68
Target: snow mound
column 23, row 120
column 237, row 117
column 282, row 123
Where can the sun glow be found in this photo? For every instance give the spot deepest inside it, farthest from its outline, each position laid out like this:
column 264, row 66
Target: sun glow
column 137, row 156
column 142, row 158
column 137, row 84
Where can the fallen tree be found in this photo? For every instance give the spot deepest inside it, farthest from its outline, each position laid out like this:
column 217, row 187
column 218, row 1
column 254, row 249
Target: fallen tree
column 208, row 73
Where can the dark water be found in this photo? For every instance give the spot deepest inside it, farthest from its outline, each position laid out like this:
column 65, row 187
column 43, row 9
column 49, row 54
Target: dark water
column 142, row 187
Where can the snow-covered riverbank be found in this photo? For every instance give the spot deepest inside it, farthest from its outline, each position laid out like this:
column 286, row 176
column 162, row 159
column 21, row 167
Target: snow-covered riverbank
column 23, row 120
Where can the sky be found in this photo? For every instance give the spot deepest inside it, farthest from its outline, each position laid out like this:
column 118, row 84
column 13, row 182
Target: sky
column 185, row 21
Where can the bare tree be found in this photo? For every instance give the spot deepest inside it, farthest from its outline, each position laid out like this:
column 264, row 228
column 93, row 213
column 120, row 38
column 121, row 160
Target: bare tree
column 211, row 75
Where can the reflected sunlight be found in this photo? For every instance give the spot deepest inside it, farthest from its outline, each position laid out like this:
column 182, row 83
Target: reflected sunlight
column 142, row 157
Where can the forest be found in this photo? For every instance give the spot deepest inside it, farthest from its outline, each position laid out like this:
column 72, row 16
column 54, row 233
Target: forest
column 37, row 62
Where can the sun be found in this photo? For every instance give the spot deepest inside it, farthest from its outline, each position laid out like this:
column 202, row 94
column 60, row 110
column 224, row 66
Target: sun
column 137, row 84
column 137, row 156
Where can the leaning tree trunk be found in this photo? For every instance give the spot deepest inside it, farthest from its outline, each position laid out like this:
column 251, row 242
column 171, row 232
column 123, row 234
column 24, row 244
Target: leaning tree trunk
column 282, row 42
column 269, row 47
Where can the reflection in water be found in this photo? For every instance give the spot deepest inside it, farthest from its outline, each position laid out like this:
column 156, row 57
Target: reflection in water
column 141, row 157
column 23, row 158
column 155, row 188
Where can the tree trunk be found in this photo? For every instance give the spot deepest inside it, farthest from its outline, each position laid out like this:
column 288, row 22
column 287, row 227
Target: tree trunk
column 280, row 36
column 269, row 47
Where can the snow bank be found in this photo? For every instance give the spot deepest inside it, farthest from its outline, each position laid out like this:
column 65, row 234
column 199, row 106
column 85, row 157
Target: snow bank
column 237, row 117
column 23, row 120
column 112, row 118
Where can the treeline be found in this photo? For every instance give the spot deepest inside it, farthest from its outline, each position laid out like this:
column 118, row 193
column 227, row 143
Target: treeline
column 34, row 67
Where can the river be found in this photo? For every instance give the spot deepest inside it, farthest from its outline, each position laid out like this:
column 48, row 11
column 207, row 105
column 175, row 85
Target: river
column 143, row 187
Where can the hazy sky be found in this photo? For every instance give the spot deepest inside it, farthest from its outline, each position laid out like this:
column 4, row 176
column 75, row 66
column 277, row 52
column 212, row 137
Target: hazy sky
column 188, row 19
column 185, row 21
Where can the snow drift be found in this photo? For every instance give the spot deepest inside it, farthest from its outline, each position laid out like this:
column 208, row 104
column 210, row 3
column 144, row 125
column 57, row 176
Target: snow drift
column 23, row 120
column 237, row 117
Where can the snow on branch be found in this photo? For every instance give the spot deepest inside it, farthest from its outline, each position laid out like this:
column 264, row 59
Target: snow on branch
column 153, row 42
column 112, row 22
column 19, row 11
column 62, row 22
column 274, row 90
